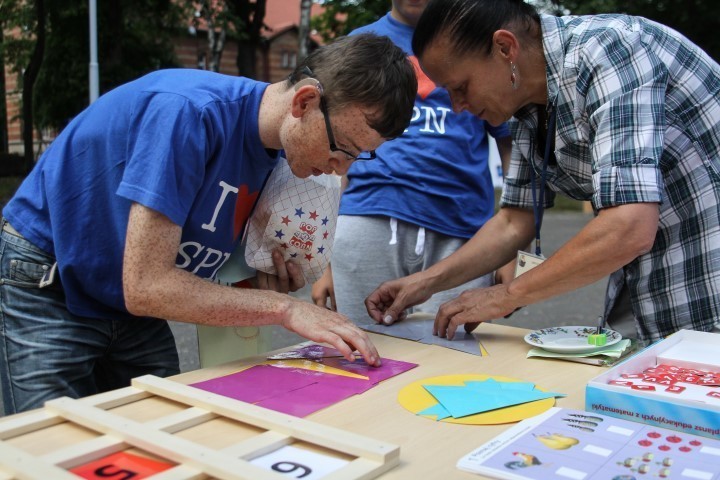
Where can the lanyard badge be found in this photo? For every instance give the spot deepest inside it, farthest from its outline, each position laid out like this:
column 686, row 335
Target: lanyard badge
column 527, row 261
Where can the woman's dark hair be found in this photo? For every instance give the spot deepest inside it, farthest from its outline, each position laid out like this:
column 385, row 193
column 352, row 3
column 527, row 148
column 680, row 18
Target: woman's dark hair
column 470, row 24
column 366, row 70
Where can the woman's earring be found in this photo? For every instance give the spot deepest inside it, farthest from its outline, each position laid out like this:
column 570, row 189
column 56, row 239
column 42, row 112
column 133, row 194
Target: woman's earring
column 513, row 76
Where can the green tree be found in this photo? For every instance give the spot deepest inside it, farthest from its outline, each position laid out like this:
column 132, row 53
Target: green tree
column 134, row 38
column 247, row 18
column 48, row 49
column 342, row 16
column 11, row 16
column 23, row 50
column 239, row 20
column 696, row 19
column 3, row 100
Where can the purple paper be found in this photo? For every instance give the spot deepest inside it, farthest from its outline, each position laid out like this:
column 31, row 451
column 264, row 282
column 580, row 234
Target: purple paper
column 262, row 383
column 389, row 368
column 298, row 391
column 307, row 400
column 356, row 385
column 256, row 383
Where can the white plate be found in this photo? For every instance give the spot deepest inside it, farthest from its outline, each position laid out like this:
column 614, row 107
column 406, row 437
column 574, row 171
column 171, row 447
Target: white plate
column 569, row 339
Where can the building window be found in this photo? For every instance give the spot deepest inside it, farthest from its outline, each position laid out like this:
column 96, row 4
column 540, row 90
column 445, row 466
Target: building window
column 288, row 59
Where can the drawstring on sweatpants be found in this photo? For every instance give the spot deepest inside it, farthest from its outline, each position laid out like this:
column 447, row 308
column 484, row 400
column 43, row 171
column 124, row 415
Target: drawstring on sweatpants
column 419, row 243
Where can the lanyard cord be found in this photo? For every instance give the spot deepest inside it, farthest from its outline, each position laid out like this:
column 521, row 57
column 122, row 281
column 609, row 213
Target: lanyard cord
column 539, row 204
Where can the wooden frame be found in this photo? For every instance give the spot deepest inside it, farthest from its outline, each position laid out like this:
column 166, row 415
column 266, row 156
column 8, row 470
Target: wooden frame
column 116, row 433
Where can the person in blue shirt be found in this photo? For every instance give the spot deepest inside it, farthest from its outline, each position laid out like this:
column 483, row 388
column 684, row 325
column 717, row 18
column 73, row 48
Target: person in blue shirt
column 427, row 192
column 633, row 126
column 127, row 217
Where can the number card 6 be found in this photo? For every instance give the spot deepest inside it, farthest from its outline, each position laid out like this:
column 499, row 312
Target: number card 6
column 297, row 462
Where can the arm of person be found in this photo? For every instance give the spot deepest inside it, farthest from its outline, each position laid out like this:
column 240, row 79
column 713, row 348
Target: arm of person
column 494, row 245
column 608, row 242
column 504, row 146
column 323, row 289
column 153, row 286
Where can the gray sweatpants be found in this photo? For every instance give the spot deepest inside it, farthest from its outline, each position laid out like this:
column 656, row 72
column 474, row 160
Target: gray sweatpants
column 369, row 250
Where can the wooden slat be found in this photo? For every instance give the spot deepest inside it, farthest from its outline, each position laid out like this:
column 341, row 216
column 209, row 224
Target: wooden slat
column 22, row 465
column 193, row 460
column 340, row 440
column 28, row 423
column 361, row 469
column 116, row 398
column 40, row 419
column 99, row 447
column 158, row 442
column 84, row 452
column 259, row 445
column 181, row 472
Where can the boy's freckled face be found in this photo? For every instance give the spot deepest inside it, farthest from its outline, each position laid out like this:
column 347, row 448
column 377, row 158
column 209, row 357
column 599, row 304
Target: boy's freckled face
column 307, row 145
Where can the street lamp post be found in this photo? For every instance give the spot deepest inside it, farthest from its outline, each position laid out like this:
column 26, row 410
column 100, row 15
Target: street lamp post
column 93, row 70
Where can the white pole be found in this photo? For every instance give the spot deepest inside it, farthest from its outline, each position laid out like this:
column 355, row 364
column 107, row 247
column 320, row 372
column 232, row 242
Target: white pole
column 94, row 78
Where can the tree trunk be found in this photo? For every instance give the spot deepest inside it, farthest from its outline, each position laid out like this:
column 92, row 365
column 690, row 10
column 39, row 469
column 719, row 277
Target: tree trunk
column 252, row 15
column 304, row 29
column 216, row 39
column 29, row 77
column 246, row 59
column 113, row 54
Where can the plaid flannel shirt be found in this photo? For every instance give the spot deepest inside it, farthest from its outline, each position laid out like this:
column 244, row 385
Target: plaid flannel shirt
column 638, row 120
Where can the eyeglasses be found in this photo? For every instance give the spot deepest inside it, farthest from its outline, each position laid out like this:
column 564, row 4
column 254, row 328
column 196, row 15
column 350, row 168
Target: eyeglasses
column 331, row 137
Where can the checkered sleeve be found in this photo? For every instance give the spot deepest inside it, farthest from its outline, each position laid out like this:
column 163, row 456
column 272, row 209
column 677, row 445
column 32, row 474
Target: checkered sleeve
column 625, row 85
column 517, row 185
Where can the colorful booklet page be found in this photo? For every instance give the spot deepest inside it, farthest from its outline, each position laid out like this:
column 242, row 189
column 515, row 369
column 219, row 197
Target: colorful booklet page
column 574, row 444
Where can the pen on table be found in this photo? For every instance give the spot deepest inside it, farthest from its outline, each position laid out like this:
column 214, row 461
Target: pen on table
column 601, row 324
column 599, row 338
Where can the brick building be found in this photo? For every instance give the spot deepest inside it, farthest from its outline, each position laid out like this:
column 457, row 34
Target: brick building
column 275, row 59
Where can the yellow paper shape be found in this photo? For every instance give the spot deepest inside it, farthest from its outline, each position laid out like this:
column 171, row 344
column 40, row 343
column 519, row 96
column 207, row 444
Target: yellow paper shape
column 415, row 398
column 314, row 366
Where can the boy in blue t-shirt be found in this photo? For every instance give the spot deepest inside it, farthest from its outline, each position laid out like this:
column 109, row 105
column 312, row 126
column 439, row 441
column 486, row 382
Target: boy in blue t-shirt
column 144, row 195
column 427, row 193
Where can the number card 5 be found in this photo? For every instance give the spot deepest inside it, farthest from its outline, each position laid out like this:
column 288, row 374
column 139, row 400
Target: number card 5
column 121, row 466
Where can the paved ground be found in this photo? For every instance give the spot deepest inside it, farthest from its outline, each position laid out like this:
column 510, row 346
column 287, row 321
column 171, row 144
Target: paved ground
column 580, row 307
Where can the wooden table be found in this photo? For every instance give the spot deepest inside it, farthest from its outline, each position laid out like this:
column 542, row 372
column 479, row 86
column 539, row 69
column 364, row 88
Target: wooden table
column 428, row 449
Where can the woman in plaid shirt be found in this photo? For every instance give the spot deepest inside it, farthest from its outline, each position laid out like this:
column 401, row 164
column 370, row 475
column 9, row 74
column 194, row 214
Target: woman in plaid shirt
column 636, row 108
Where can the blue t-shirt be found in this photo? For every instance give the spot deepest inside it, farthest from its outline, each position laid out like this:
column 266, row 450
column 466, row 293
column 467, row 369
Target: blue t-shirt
column 185, row 143
column 436, row 173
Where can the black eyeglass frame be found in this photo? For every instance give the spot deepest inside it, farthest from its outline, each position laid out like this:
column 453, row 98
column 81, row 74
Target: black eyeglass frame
column 328, row 128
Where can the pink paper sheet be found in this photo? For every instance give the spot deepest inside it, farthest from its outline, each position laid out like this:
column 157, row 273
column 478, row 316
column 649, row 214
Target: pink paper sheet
column 298, row 391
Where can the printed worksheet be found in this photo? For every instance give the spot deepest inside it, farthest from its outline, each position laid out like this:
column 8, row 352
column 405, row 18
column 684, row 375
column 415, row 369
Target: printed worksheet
column 578, row 445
